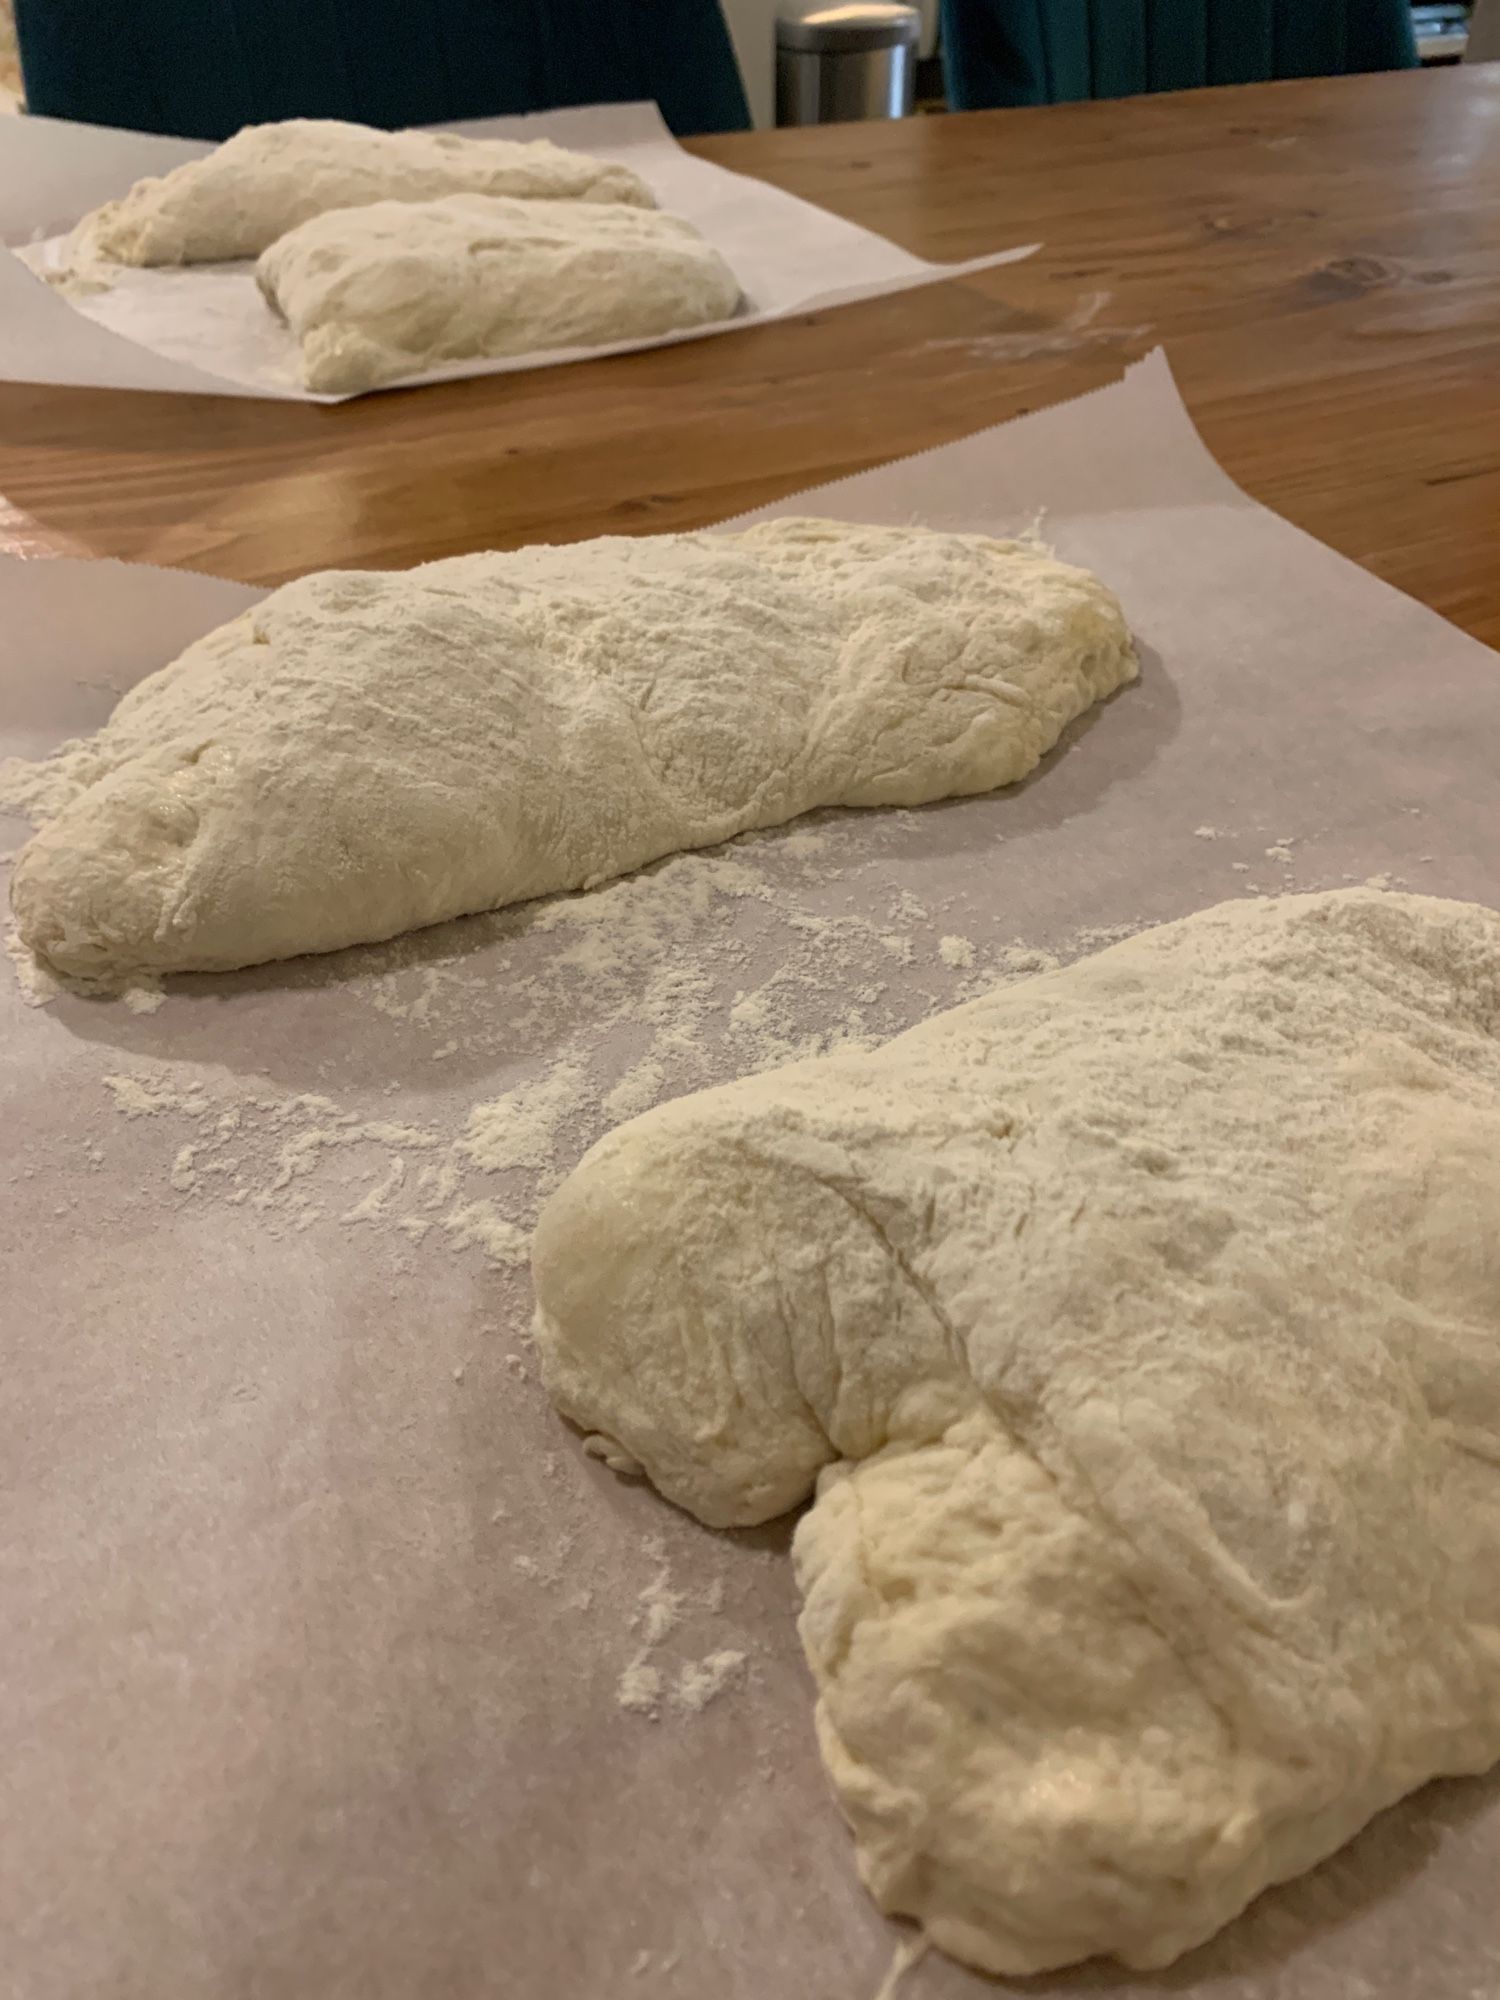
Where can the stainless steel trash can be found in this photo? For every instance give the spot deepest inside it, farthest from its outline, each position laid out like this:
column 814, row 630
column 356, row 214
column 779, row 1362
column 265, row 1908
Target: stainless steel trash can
column 845, row 59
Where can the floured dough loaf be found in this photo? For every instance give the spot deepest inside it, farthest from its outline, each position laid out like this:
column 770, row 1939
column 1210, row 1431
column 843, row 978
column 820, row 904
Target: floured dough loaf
column 368, row 751
column 393, row 288
column 1140, row 1328
column 238, row 199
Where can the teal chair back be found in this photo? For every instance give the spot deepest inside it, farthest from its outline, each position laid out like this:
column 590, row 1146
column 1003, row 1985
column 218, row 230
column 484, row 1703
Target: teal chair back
column 999, row 52
column 202, row 68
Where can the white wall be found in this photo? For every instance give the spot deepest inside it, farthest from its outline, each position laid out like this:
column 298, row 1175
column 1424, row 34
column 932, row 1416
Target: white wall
column 752, row 28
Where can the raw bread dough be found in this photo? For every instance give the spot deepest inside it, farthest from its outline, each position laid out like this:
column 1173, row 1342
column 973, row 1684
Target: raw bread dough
column 1143, row 1323
column 367, row 751
column 238, row 199
column 397, row 287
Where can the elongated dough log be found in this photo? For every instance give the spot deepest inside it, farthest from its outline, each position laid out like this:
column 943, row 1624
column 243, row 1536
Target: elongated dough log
column 397, row 287
column 1140, row 1328
column 267, row 179
column 367, row 752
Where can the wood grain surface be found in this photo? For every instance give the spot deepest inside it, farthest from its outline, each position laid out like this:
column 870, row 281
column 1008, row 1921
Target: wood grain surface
column 1320, row 259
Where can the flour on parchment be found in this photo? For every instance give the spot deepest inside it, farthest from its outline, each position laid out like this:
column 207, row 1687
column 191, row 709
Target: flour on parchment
column 640, row 990
column 648, row 1681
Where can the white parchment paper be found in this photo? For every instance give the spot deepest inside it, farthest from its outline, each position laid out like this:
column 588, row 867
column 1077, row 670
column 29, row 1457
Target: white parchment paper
column 207, row 328
column 314, row 1617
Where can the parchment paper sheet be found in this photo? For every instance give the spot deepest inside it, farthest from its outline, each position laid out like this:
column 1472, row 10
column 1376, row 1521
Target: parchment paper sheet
column 207, row 328
column 284, row 1710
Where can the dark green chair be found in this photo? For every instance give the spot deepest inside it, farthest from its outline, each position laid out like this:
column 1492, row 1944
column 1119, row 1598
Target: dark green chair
column 202, row 68
column 998, row 52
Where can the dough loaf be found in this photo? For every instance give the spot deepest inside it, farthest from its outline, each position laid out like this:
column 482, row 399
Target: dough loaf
column 397, row 287
column 1140, row 1328
column 367, row 752
column 267, row 179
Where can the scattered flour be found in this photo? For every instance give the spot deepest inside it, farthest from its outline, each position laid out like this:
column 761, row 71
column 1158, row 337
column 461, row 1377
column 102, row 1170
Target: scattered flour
column 660, row 1608
column 141, row 1097
column 37, row 985
column 520, row 1128
column 1094, row 937
column 372, row 1205
column 804, row 842
column 699, row 1681
column 638, row 1689
column 612, row 1001
column 1019, row 961
column 263, row 1151
column 638, row 1089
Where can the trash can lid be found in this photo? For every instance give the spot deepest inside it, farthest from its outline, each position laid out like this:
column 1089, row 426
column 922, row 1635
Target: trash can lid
column 847, row 27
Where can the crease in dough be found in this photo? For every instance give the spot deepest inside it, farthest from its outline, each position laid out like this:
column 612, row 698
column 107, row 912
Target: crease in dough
column 396, row 287
column 367, row 752
column 267, row 179
column 1156, row 1451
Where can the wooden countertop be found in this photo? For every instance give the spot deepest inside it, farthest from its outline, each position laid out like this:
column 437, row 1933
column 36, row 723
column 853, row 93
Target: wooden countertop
column 1320, row 259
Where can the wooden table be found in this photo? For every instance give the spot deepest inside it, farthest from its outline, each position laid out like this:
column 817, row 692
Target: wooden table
column 1321, row 259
